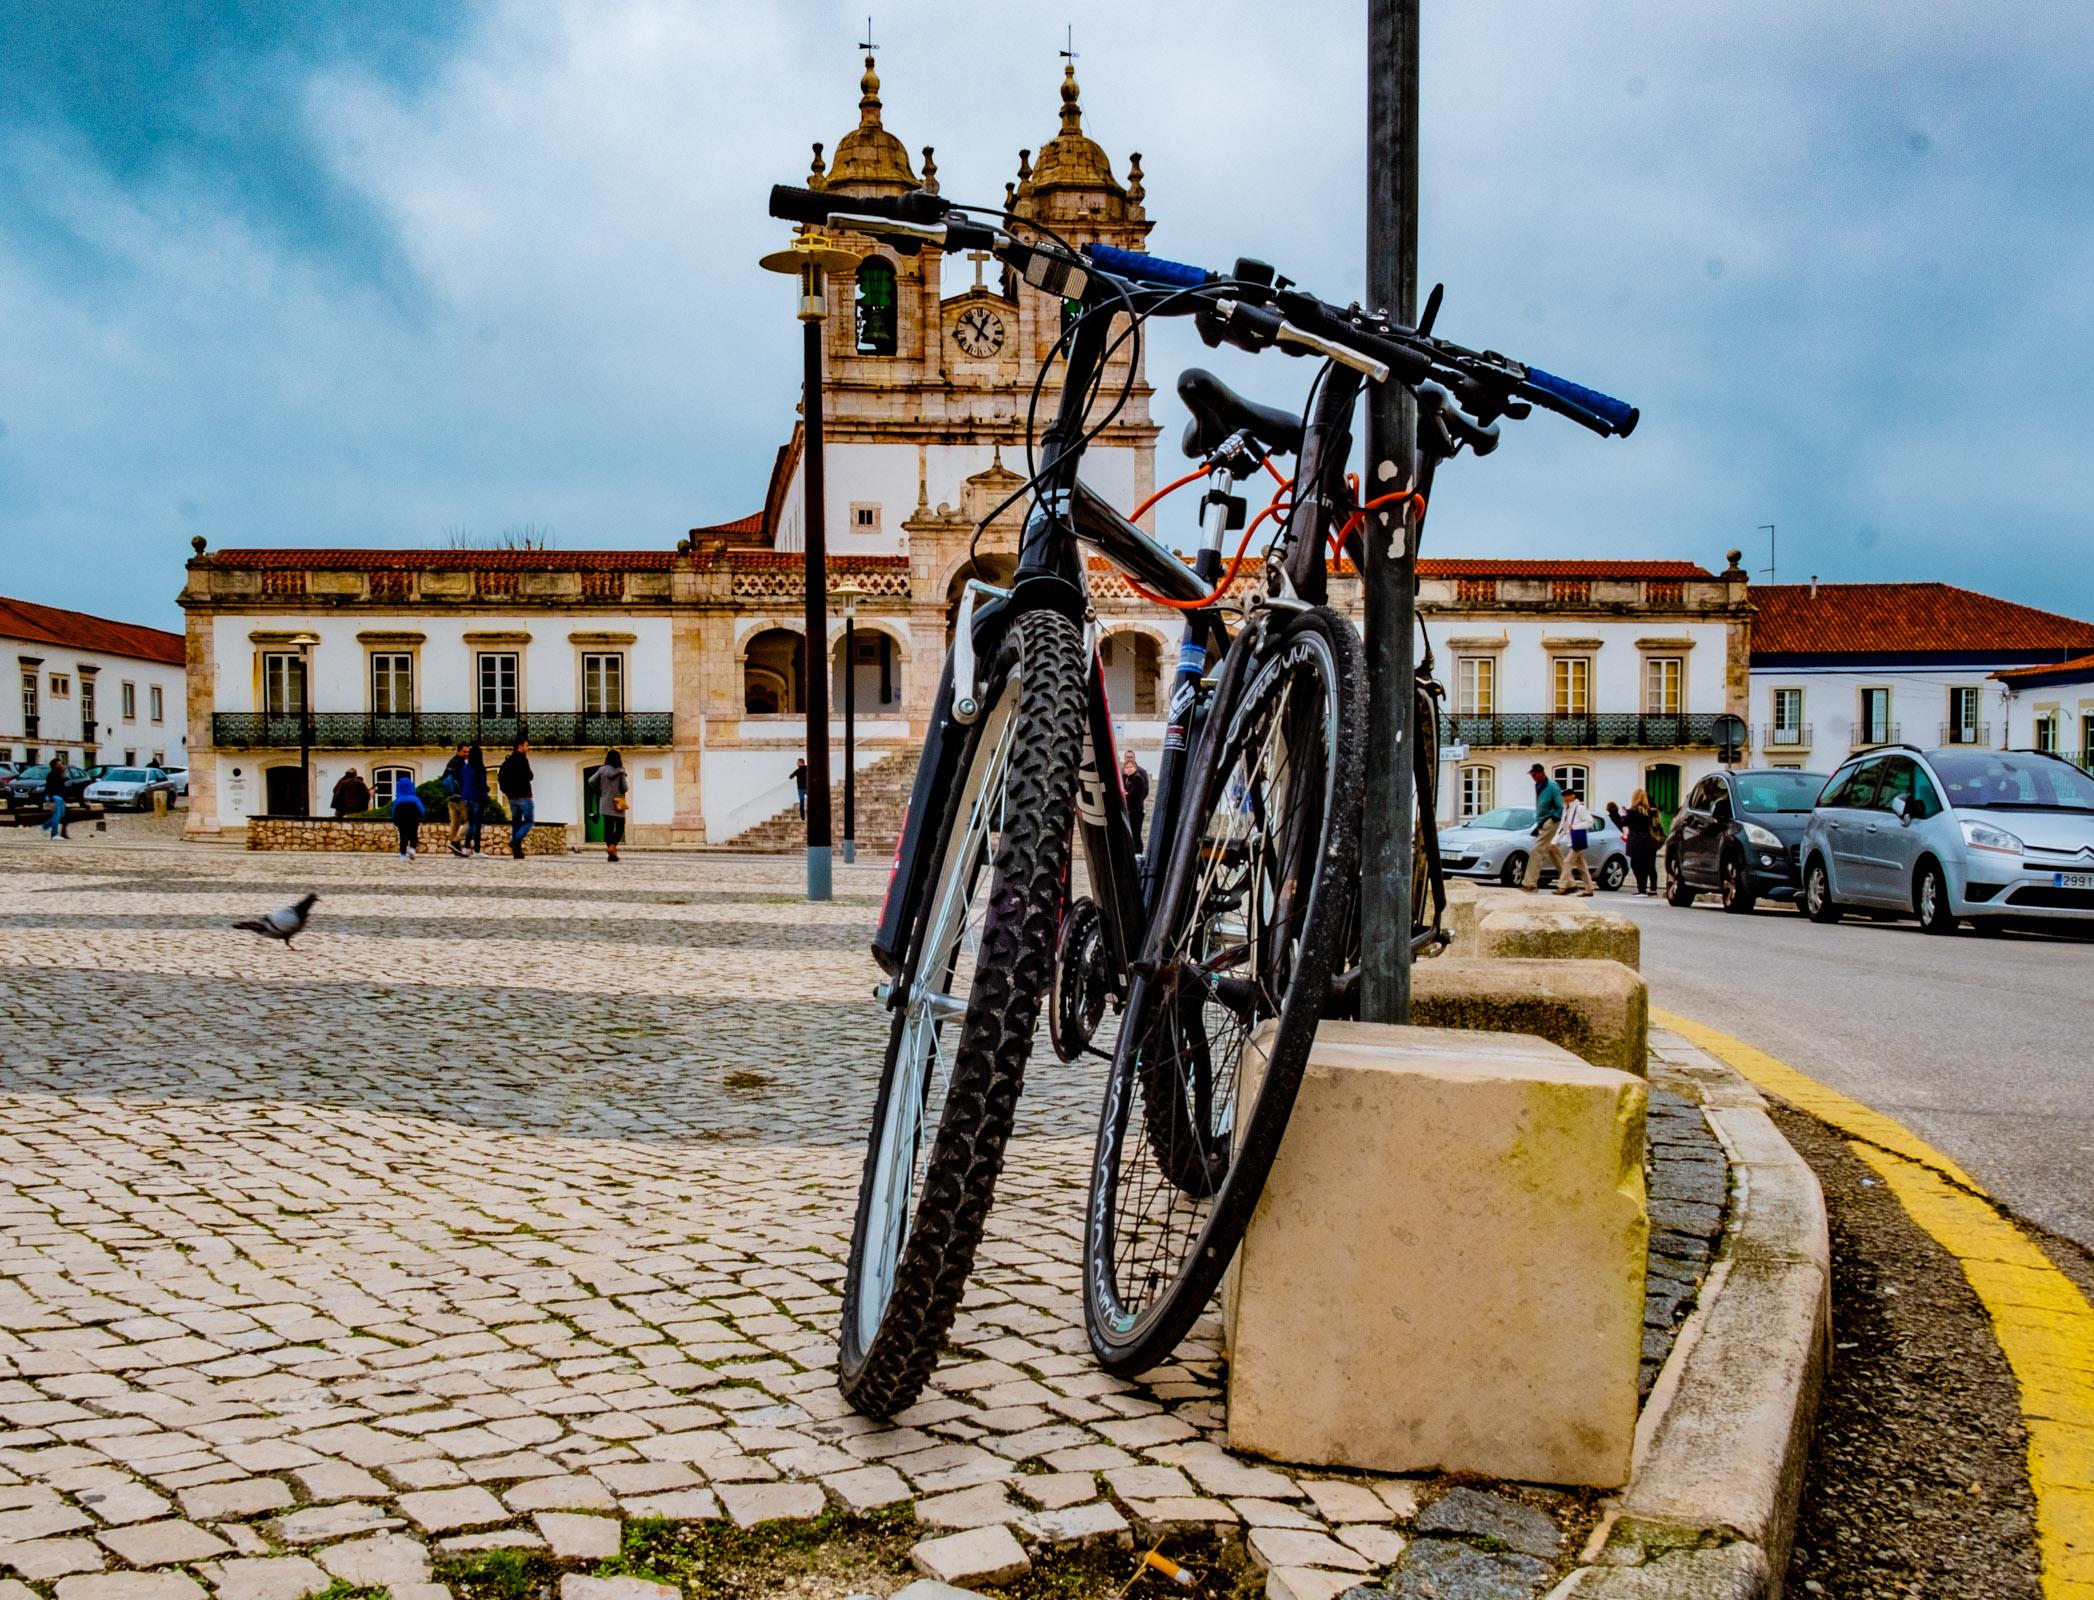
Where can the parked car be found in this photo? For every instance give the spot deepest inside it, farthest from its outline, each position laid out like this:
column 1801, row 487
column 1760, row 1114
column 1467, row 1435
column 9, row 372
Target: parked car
column 26, row 788
column 1737, row 835
column 179, row 777
column 1497, row 844
column 129, row 788
column 1952, row 834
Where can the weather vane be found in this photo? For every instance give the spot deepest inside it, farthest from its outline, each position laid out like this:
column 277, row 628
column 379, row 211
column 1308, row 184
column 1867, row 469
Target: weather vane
column 868, row 45
column 1067, row 54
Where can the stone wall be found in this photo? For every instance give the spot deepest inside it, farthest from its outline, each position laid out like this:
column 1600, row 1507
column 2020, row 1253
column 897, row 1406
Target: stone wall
column 325, row 833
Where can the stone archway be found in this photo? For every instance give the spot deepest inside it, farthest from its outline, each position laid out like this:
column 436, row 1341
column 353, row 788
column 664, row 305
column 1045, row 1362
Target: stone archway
column 882, row 665
column 1134, row 663
column 774, row 666
column 991, row 566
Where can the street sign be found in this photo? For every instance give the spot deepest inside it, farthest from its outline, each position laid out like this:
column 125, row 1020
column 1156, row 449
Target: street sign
column 1454, row 752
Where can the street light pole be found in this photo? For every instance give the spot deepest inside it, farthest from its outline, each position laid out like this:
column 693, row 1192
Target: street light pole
column 1390, row 578
column 810, row 258
column 305, row 720
column 847, row 597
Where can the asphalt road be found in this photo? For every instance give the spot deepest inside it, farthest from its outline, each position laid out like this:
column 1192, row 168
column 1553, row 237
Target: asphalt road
column 1985, row 1046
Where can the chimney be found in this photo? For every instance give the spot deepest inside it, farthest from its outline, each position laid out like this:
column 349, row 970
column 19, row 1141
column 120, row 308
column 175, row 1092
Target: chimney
column 1814, row 586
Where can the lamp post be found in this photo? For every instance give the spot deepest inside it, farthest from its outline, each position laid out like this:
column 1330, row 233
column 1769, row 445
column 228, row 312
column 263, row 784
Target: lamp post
column 811, row 256
column 848, row 594
column 305, row 643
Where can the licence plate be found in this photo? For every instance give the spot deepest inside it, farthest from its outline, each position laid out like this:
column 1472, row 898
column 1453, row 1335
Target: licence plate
column 2072, row 880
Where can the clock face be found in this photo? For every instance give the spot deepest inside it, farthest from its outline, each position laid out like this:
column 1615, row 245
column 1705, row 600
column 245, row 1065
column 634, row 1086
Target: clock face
column 979, row 332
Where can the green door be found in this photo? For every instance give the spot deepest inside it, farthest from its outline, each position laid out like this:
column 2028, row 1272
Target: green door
column 592, row 819
column 1662, row 784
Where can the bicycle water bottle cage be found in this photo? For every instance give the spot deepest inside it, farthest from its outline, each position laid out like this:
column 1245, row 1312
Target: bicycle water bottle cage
column 966, row 702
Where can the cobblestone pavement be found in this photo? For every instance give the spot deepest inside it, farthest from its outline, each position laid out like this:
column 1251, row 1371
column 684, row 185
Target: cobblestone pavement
column 511, row 1202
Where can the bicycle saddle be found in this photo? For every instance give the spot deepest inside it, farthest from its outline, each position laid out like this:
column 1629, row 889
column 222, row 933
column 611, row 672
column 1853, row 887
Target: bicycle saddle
column 1218, row 411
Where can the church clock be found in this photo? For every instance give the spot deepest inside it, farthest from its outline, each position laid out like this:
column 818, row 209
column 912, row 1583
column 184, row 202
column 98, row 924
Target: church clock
column 979, row 331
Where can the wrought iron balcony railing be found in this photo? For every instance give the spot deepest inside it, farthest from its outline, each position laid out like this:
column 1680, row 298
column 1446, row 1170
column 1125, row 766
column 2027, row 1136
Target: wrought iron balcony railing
column 1604, row 730
column 357, row 730
column 1795, row 736
column 1966, row 733
column 1866, row 737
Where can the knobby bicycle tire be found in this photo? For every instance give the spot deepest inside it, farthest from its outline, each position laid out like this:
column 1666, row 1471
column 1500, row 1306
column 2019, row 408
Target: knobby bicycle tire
column 1132, row 1165
column 882, row 1373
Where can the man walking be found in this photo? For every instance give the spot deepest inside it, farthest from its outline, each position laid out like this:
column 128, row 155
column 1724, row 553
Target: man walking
column 800, row 783
column 1548, row 822
column 515, row 779
column 1134, row 783
column 454, row 798
column 54, row 797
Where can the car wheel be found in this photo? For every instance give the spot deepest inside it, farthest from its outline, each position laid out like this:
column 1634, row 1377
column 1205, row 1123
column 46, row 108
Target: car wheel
column 1614, row 873
column 1931, row 900
column 1738, row 897
column 1677, row 892
column 1818, row 903
column 1514, row 870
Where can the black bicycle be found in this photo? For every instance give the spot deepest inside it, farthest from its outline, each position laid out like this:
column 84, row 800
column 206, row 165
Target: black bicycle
column 1237, row 930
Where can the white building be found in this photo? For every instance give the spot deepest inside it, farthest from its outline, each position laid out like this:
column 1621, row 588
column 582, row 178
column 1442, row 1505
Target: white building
column 2051, row 708
column 97, row 692
column 1838, row 667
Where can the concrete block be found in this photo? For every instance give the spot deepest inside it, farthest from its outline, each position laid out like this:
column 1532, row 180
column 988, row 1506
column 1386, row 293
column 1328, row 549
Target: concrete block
column 1467, row 900
column 1445, row 1272
column 1597, row 1010
column 1565, row 927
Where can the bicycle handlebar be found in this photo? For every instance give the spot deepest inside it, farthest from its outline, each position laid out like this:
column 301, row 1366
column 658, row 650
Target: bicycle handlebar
column 1149, row 269
column 1569, row 399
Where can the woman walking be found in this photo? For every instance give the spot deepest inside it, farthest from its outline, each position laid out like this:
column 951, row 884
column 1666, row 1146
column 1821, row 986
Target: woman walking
column 1577, row 828
column 613, row 800
column 472, row 789
column 55, row 779
column 1640, row 833
column 408, row 812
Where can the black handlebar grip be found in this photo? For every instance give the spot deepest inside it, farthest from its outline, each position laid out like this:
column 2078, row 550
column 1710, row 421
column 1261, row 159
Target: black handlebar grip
column 804, row 205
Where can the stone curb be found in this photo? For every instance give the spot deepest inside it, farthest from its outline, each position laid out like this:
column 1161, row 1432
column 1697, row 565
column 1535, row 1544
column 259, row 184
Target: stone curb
column 1710, row 1510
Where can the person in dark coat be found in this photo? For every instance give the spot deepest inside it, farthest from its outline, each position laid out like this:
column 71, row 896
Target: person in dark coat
column 1641, row 832
column 800, row 783
column 472, row 786
column 1134, row 783
column 515, row 779
column 351, row 794
column 54, row 796
column 454, row 798
column 613, row 800
column 408, row 812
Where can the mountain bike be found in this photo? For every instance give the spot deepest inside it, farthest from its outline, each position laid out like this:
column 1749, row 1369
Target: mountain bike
column 1018, row 758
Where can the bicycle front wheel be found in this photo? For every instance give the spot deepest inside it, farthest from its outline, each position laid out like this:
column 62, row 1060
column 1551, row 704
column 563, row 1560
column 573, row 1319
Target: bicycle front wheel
column 981, row 956
column 1264, row 862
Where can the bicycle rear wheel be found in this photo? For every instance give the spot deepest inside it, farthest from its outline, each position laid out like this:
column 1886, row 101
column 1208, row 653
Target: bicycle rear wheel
column 1235, row 976
column 982, row 955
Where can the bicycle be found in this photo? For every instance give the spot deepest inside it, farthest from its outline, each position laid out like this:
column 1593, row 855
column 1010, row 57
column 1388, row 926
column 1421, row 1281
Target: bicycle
column 1018, row 758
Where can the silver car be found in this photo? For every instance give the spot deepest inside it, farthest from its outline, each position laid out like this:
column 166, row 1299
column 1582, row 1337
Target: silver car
column 1497, row 844
column 1950, row 835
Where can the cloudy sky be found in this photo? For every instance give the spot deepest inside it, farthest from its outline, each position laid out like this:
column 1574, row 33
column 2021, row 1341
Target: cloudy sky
column 277, row 273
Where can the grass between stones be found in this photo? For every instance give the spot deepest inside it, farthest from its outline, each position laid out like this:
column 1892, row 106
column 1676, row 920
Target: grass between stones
column 832, row 1554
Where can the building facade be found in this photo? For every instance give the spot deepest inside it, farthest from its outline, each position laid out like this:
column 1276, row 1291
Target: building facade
column 96, row 691
column 1838, row 667
column 2051, row 708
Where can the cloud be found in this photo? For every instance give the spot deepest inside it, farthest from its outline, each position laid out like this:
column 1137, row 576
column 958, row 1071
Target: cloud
column 288, row 274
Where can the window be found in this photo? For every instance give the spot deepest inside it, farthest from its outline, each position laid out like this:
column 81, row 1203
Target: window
column 61, row 686
column 392, row 683
column 131, row 758
column 157, row 759
column 2086, row 740
column 1479, row 791
column 1964, row 726
column 1664, row 679
column 1477, row 689
column 877, row 317
column 1572, row 780
column 386, row 782
column 283, row 683
column 1573, row 676
column 603, row 684
column 1705, row 792
column 497, row 683
column 29, row 704
column 1788, row 716
column 865, row 516
column 2047, row 733
column 1874, row 727
column 156, row 702
column 130, row 702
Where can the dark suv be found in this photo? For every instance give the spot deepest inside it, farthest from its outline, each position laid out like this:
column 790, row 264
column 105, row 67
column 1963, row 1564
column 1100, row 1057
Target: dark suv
column 1738, row 834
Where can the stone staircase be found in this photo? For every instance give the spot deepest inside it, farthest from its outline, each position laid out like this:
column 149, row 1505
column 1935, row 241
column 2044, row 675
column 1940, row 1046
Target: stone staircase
column 882, row 802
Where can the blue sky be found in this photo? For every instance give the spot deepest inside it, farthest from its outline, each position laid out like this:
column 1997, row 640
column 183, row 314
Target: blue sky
column 277, row 273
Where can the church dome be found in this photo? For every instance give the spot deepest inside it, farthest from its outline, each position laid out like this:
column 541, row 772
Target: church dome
column 1072, row 159
column 869, row 159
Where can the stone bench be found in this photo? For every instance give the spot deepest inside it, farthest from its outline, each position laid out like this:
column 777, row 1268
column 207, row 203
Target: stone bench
column 1598, row 1010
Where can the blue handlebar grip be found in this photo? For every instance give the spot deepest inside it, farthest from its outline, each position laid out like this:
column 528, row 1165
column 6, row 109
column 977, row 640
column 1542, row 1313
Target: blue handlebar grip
column 1617, row 414
column 1149, row 269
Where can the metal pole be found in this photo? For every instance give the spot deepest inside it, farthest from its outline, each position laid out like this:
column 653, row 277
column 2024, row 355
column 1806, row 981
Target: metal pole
column 305, row 726
column 850, row 735
column 814, row 657
column 1390, row 576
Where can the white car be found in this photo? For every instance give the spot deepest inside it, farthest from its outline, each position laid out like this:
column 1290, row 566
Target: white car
column 1496, row 845
column 128, row 788
column 179, row 777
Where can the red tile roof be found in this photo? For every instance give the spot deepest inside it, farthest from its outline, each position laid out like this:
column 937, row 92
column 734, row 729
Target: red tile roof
column 445, row 560
column 76, row 630
column 1876, row 619
column 1465, row 567
column 2078, row 665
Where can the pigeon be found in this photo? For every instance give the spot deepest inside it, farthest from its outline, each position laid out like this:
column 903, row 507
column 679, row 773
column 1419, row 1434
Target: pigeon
column 282, row 924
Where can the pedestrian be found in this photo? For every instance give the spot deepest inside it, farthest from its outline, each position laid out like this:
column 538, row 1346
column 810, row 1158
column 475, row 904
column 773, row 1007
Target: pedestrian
column 454, row 798
column 351, row 794
column 613, row 800
column 408, row 812
column 515, row 779
column 472, row 781
column 1577, row 827
column 1548, row 820
column 1135, row 783
column 54, row 796
column 800, row 783
column 1641, row 834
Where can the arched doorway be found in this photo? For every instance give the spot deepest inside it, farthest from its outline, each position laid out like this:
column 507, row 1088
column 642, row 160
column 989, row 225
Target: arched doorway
column 991, row 567
column 773, row 670
column 283, row 792
column 878, row 673
column 1662, row 784
column 1133, row 663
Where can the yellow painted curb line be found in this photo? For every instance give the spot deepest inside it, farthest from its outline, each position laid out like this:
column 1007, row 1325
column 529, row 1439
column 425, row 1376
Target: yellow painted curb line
column 2043, row 1323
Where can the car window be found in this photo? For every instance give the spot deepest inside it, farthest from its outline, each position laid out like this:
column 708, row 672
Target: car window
column 1778, row 791
column 125, row 775
column 1864, row 793
column 1505, row 817
column 1836, row 786
column 1926, row 799
column 1894, row 781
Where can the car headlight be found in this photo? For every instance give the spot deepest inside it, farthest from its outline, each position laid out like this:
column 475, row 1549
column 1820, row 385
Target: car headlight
column 1983, row 836
column 1765, row 838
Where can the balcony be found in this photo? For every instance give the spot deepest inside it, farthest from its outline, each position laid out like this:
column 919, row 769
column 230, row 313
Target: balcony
column 1605, row 730
column 441, row 730
column 1867, row 738
column 1775, row 737
column 1977, row 733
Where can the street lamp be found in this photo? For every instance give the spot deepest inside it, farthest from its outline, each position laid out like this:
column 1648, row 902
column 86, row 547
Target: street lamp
column 848, row 594
column 305, row 643
column 811, row 256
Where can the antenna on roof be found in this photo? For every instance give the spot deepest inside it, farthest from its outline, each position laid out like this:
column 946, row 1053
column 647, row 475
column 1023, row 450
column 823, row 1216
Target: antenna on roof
column 1768, row 529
